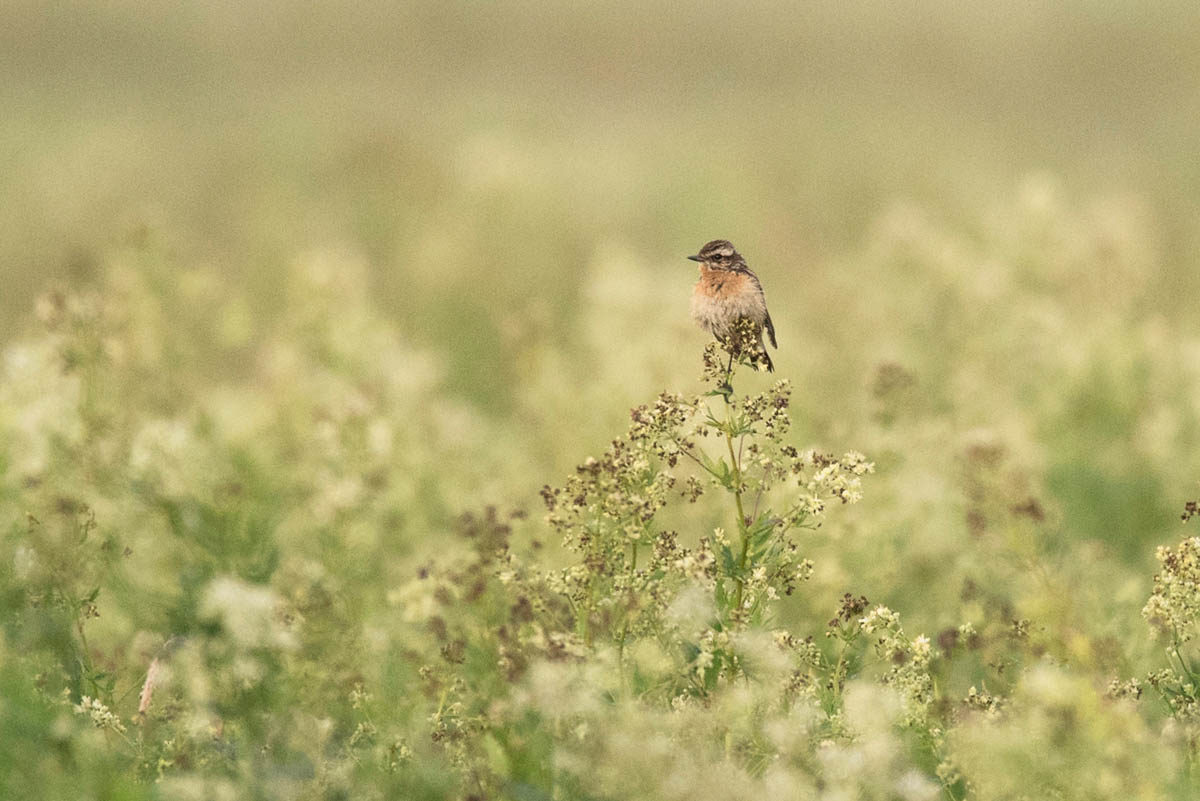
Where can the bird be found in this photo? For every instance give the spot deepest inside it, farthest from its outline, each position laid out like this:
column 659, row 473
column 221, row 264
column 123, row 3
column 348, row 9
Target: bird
column 727, row 293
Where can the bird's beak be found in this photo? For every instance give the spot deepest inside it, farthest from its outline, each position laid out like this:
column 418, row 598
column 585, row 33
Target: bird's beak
column 695, row 258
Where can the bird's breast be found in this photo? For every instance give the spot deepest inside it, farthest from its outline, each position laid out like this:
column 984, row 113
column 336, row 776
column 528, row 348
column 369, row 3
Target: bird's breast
column 721, row 298
column 722, row 284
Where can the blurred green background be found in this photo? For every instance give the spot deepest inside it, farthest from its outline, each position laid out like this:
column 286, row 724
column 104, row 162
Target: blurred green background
column 479, row 155
column 335, row 273
column 975, row 224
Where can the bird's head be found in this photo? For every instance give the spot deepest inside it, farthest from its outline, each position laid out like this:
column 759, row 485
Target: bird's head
column 718, row 254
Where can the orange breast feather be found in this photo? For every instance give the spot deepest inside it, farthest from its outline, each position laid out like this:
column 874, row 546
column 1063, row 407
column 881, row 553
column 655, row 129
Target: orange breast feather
column 722, row 285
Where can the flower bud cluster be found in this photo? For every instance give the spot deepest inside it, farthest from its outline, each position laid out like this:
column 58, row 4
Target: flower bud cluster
column 100, row 715
column 1174, row 606
column 629, row 569
column 910, row 662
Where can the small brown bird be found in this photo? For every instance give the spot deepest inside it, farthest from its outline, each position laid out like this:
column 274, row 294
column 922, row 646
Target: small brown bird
column 728, row 292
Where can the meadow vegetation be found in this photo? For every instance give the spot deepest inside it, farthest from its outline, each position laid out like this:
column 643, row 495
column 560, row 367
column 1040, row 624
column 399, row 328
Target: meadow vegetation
column 355, row 443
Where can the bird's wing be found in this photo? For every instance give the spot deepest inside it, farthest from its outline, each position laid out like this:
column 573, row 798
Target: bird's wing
column 770, row 325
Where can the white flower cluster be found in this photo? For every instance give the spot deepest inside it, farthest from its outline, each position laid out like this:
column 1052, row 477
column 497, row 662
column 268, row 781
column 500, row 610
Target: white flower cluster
column 39, row 405
column 823, row 478
column 840, row 479
column 982, row 701
column 101, row 716
column 249, row 614
column 909, row 659
column 711, row 642
column 1174, row 606
column 880, row 618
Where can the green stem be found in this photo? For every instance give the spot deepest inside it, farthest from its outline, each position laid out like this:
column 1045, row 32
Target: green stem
column 737, row 484
column 1179, row 656
column 728, row 376
column 758, row 497
column 585, row 630
column 838, row 673
column 625, row 626
column 85, row 651
column 741, row 513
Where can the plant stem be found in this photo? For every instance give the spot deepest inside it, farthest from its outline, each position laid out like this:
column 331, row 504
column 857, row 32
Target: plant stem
column 741, row 513
column 737, row 485
column 758, row 496
column 585, row 631
column 85, row 651
column 838, row 671
column 625, row 626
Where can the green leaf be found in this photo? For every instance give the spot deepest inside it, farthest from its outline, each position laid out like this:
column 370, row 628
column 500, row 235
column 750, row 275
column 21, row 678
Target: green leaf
column 739, row 426
column 728, row 562
column 722, row 599
column 761, row 528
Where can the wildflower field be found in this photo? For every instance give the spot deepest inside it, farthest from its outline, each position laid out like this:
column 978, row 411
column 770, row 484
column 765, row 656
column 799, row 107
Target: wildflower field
column 355, row 442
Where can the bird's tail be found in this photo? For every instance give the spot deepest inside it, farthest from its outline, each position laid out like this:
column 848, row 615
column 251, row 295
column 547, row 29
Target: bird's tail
column 771, row 331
